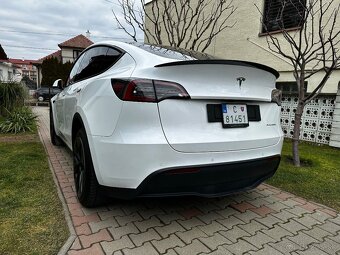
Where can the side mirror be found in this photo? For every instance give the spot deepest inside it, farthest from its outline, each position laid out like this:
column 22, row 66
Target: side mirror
column 58, row 84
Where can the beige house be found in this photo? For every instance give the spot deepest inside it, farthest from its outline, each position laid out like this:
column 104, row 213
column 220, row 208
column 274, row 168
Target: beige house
column 69, row 51
column 246, row 41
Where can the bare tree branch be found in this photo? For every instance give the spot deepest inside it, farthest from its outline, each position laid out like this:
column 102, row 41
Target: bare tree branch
column 313, row 49
column 186, row 24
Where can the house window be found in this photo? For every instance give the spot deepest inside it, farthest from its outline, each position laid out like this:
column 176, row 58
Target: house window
column 282, row 14
column 289, row 87
column 76, row 54
column 1, row 75
column 10, row 76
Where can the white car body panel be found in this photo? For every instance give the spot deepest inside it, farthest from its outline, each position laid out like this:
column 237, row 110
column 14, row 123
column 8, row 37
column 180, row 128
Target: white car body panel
column 131, row 140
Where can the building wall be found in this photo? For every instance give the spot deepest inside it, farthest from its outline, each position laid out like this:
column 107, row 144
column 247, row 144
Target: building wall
column 244, row 42
column 67, row 55
column 335, row 136
column 8, row 72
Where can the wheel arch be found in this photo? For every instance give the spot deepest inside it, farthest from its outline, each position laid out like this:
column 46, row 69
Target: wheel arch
column 79, row 122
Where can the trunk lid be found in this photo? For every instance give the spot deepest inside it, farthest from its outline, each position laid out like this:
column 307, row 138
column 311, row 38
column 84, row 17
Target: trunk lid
column 185, row 122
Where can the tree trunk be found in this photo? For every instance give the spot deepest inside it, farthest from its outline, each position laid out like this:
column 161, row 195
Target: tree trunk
column 296, row 134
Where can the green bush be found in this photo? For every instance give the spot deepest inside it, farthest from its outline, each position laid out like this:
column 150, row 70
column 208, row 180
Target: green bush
column 19, row 120
column 12, row 95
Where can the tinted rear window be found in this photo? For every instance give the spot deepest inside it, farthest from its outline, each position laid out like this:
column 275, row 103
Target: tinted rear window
column 174, row 53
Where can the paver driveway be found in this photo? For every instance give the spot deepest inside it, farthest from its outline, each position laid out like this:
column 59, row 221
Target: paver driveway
column 265, row 220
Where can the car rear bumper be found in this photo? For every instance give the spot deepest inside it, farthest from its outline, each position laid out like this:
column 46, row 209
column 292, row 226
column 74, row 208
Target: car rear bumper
column 205, row 180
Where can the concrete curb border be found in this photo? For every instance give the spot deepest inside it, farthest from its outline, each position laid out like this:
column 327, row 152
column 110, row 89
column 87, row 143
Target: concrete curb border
column 64, row 249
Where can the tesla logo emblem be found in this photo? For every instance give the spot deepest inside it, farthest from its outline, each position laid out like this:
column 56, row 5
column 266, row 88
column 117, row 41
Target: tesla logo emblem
column 240, row 80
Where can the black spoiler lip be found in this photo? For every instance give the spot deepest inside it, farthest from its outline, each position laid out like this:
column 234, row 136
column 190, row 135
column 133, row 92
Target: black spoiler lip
column 222, row 62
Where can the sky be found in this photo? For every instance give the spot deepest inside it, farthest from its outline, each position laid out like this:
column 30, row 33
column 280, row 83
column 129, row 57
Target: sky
column 38, row 26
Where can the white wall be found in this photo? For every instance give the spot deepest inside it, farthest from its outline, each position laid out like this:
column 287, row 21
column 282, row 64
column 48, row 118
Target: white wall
column 8, row 72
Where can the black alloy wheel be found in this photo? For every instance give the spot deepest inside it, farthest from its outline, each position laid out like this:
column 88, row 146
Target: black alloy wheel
column 87, row 187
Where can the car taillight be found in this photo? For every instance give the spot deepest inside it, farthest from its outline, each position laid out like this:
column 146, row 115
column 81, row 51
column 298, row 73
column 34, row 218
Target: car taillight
column 146, row 90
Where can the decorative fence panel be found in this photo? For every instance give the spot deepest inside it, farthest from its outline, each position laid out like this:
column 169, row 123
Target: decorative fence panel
column 317, row 118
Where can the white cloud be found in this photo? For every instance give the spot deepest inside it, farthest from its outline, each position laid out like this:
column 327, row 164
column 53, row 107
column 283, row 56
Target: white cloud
column 68, row 17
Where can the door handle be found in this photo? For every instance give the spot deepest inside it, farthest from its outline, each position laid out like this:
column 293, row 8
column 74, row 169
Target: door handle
column 77, row 90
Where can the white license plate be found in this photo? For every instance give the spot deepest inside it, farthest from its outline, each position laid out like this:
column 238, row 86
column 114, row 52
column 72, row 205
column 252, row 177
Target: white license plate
column 234, row 115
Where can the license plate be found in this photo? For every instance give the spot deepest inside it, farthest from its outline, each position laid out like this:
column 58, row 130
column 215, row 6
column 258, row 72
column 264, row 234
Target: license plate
column 234, row 115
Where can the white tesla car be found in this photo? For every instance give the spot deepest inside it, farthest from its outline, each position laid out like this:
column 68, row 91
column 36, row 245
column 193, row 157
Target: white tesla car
column 151, row 121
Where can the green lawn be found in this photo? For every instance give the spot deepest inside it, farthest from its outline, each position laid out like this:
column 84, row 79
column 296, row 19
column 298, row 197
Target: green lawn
column 31, row 216
column 319, row 178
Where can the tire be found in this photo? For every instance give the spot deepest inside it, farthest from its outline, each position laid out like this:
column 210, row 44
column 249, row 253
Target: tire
column 41, row 98
column 87, row 187
column 55, row 139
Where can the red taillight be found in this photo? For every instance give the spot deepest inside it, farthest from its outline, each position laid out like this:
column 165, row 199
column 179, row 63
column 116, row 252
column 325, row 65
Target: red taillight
column 145, row 90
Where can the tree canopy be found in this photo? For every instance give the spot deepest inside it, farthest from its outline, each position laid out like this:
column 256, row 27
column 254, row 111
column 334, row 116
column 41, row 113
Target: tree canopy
column 53, row 69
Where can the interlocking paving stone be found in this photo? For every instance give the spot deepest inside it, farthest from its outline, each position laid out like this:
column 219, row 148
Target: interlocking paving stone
column 123, row 220
column 214, row 241
column 212, row 228
column 96, row 226
column 320, row 216
column 293, row 226
column 312, row 251
column 146, row 248
column 269, row 221
column 240, row 247
column 230, row 222
column 149, row 223
column 139, row 239
column 173, row 227
column 329, row 246
column 308, row 221
column 317, row 233
column 110, row 247
column 234, row 234
column 266, row 250
column 171, row 242
column 277, row 233
column 209, row 217
column 118, row 232
column 195, row 247
column 102, row 235
column 94, row 249
column 259, row 239
column 189, row 224
column 330, row 227
column 253, row 227
column 286, row 246
column 247, row 216
column 191, row 234
column 264, row 220
column 303, row 240
column 284, row 215
column 219, row 251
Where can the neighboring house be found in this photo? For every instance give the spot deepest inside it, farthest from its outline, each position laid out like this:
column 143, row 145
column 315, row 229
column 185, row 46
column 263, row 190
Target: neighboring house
column 9, row 71
column 246, row 40
column 25, row 67
column 69, row 51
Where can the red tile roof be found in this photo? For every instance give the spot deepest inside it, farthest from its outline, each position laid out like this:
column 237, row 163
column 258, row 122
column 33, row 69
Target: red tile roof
column 56, row 54
column 18, row 61
column 80, row 41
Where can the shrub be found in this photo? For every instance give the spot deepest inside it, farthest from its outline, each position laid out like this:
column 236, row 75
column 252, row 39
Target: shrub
column 12, row 95
column 19, row 120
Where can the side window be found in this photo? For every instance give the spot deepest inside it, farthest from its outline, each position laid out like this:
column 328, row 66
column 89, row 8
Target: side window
column 112, row 57
column 92, row 62
column 72, row 77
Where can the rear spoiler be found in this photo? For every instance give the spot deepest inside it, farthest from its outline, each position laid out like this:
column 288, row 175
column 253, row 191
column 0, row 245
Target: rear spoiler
column 222, row 62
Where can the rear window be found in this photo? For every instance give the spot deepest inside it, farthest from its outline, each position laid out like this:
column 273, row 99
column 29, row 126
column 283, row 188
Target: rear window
column 174, row 53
